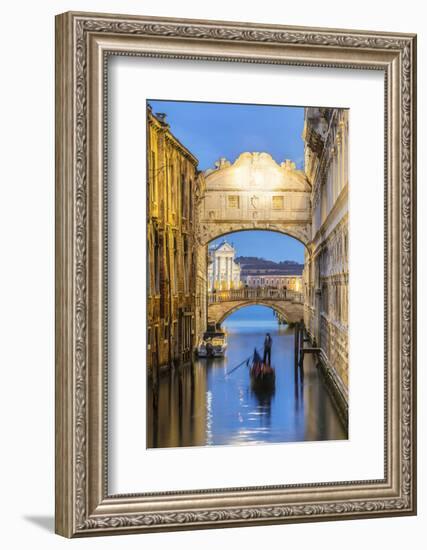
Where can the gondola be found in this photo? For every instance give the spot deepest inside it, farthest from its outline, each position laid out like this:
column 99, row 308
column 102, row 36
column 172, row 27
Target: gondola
column 263, row 376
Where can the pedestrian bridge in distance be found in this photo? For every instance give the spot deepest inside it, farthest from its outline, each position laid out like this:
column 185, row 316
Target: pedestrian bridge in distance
column 288, row 304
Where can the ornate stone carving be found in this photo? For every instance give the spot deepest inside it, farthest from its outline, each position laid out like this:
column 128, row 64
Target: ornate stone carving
column 222, row 163
column 256, row 170
column 254, row 201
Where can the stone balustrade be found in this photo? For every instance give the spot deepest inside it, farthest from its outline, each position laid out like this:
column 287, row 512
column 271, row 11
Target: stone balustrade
column 254, row 294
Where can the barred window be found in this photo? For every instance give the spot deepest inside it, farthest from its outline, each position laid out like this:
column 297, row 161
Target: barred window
column 233, row 201
column 277, row 202
column 325, row 299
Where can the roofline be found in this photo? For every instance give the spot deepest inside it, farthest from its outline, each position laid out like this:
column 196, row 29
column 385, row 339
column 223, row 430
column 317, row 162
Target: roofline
column 165, row 127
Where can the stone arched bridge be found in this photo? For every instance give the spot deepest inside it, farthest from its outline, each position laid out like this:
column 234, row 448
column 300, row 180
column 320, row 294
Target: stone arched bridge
column 288, row 304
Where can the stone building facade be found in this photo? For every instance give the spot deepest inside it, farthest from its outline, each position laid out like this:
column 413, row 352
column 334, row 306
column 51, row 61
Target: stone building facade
column 326, row 271
column 290, row 282
column 223, row 271
column 173, row 180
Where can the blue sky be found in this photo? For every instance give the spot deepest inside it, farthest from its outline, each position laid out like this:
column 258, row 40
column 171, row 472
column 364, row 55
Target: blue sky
column 214, row 130
column 265, row 244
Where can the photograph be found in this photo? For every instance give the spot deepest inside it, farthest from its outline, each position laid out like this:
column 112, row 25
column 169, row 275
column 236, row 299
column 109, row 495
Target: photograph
column 247, row 274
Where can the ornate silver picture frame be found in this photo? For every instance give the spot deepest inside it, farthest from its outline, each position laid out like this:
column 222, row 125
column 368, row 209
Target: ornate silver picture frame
column 84, row 43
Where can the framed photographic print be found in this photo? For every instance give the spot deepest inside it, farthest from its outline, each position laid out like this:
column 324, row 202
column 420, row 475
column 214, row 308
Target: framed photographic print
column 235, row 274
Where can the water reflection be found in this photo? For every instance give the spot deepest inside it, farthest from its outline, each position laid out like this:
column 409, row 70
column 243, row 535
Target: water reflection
column 203, row 405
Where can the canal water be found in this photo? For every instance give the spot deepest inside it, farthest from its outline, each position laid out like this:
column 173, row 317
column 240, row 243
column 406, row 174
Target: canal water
column 204, row 405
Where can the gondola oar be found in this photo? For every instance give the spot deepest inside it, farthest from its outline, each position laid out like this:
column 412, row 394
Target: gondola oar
column 239, row 365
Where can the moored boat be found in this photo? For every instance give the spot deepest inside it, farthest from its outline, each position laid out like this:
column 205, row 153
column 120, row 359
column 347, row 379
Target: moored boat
column 213, row 344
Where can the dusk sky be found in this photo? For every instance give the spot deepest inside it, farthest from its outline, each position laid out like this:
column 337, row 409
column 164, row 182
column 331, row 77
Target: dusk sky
column 269, row 245
column 214, row 130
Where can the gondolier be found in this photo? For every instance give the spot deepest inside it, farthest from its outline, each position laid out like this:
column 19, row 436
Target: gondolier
column 268, row 342
column 262, row 374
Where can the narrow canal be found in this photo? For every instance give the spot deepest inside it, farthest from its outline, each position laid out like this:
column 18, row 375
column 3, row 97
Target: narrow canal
column 202, row 405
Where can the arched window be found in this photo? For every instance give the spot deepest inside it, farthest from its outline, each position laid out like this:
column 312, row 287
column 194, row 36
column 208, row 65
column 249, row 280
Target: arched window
column 325, row 299
column 190, row 202
column 183, row 197
column 172, row 186
column 175, row 265
column 150, row 259
column 153, row 176
column 186, row 267
column 156, row 262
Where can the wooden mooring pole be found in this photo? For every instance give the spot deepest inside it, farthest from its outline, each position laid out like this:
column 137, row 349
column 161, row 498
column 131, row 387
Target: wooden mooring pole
column 296, row 344
column 301, row 344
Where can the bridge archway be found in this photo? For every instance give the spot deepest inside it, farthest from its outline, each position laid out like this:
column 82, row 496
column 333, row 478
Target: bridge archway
column 291, row 312
column 235, row 308
column 281, row 231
